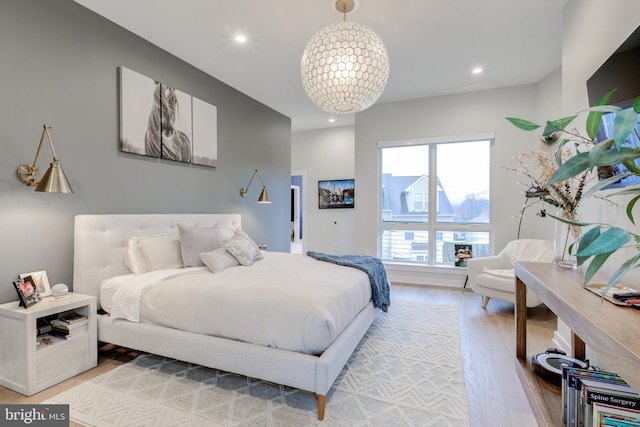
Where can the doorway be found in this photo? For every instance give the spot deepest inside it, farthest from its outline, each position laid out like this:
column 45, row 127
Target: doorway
column 297, row 212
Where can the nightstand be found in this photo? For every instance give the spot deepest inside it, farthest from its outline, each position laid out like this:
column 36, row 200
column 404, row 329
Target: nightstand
column 29, row 367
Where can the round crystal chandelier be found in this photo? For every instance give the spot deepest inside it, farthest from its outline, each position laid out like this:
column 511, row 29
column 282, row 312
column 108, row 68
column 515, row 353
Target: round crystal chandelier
column 345, row 66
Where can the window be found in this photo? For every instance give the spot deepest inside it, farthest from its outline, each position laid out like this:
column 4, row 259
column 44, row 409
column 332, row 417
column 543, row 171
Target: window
column 437, row 192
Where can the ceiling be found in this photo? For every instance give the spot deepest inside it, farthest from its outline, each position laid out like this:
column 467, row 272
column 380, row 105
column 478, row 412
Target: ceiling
column 432, row 44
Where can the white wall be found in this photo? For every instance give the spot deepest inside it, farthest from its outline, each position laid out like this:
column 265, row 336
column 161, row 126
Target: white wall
column 326, row 154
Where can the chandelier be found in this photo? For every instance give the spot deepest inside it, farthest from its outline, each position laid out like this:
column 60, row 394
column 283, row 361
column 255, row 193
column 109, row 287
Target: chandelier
column 345, row 66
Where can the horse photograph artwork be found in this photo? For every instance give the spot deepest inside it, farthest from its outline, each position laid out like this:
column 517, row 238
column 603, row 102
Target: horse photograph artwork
column 135, row 103
column 157, row 120
column 169, row 118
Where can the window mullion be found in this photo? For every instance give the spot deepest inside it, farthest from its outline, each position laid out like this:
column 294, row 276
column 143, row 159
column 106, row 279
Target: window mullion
column 432, row 202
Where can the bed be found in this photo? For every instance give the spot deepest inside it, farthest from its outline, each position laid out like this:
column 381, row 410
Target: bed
column 100, row 247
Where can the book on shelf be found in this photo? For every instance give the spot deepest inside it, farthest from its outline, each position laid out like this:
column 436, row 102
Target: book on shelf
column 608, row 415
column 612, row 393
column 61, row 333
column 581, row 389
column 568, row 388
column 71, row 317
column 57, row 323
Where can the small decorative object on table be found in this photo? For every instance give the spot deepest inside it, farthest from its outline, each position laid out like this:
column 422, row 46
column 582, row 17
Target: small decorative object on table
column 27, row 291
column 41, row 281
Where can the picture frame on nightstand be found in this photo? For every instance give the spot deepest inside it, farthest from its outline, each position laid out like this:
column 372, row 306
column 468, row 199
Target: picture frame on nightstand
column 41, row 281
column 27, row 291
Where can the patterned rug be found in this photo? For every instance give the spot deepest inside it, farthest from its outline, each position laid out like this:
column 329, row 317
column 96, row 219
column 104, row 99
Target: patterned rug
column 406, row 371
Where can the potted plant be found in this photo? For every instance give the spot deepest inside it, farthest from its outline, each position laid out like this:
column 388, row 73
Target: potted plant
column 600, row 241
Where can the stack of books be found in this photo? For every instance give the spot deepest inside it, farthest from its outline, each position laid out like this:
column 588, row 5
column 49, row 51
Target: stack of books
column 597, row 399
column 69, row 325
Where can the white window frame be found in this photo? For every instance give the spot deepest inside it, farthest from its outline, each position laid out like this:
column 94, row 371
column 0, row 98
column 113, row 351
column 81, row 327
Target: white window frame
column 432, row 226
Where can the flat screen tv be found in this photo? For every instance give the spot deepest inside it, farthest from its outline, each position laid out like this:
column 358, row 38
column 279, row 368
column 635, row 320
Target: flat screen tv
column 622, row 71
column 606, row 132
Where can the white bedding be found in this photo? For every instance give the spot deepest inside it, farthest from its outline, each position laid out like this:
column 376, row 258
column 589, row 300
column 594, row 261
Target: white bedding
column 286, row 301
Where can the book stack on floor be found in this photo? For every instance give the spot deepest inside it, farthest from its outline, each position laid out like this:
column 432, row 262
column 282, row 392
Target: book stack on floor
column 69, row 325
column 597, row 399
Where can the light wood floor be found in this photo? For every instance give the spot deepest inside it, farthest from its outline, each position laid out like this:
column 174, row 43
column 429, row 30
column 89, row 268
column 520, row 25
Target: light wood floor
column 494, row 393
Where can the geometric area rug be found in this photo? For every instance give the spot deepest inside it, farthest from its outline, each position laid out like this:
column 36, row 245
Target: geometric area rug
column 406, row 371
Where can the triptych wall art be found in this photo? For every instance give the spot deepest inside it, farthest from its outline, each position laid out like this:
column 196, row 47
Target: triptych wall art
column 157, row 120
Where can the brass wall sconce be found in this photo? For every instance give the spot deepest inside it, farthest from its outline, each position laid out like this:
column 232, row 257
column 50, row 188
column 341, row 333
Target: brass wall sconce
column 264, row 196
column 54, row 180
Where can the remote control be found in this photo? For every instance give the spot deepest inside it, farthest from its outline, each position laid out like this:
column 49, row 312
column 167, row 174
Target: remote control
column 626, row 295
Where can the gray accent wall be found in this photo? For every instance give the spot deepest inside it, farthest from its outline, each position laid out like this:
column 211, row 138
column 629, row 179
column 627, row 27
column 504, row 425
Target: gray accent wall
column 59, row 66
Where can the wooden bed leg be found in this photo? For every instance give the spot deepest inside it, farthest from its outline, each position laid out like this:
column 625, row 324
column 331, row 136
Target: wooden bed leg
column 322, row 402
column 485, row 301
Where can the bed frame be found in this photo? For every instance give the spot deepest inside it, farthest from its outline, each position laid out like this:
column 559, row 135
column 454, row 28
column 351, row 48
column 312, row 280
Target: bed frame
column 99, row 244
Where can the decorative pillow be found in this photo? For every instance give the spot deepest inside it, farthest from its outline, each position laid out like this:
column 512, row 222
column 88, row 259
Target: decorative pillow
column 161, row 251
column 218, row 260
column 243, row 248
column 134, row 258
column 195, row 240
column 226, row 231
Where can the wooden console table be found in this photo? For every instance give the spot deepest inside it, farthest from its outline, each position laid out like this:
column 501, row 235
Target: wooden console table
column 611, row 331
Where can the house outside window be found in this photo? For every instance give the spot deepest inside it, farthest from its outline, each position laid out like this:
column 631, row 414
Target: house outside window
column 437, row 191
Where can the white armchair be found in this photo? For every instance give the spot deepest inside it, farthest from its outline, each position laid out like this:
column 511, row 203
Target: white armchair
column 494, row 276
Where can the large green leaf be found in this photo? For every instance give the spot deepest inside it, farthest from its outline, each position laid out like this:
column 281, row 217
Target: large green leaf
column 586, row 240
column 624, row 123
column 572, row 167
column 604, row 183
column 614, row 157
column 609, row 241
column 557, row 125
column 568, row 221
column 632, row 167
column 523, row 124
column 594, row 117
column 630, row 206
column 622, row 271
column 595, row 265
column 598, row 150
column 636, row 105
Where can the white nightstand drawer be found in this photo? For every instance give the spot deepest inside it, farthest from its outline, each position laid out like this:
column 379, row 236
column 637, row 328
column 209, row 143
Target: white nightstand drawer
column 53, row 360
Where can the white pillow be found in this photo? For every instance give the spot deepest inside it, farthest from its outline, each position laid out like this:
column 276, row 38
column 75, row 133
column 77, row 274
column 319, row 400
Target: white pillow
column 134, row 258
column 195, row 240
column 161, row 251
column 243, row 248
column 218, row 260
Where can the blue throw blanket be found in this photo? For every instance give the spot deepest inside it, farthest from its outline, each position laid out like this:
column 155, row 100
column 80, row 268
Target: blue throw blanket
column 372, row 266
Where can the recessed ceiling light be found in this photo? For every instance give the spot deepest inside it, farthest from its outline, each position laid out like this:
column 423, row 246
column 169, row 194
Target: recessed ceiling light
column 477, row 70
column 332, row 120
column 240, row 38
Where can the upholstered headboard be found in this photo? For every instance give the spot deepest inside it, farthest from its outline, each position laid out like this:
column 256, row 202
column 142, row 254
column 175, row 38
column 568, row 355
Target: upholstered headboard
column 100, row 241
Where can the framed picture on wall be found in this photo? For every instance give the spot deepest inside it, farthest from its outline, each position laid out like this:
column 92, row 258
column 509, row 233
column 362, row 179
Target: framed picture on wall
column 158, row 120
column 336, row 193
